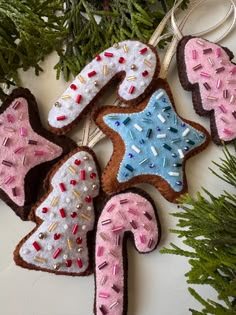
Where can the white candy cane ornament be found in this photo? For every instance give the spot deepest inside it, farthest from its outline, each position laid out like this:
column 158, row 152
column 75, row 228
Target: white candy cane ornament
column 134, row 62
column 61, row 241
column 129, row 213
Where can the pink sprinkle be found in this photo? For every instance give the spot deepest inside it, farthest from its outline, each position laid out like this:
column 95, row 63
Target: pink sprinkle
column 228, row 132
column 98, row 58
column 117, row 228
column 61, row 118
column 23, row 132
column 131, row 89
column 62, row 187
column 80, row 263
column 73, row 86
column 233, row 70
column 223, row 109
column 218, row 52
column 110, row 208
column 194, row 54
column 104, row 295
column 39, row 153
column 36, row 246
column 92, row 73
column 142, row 238
column 143, row 50
column 132, row 211
column 100, row 251
column 219, row 84
column 82, row 174
column 205, row 75
column 75, row 229
column 78, row 98
column 10, row 118
column 19, row 150
column 9, row 180
column 57, row 253
column 62, row 213
column 108, row 54
column 115, row 269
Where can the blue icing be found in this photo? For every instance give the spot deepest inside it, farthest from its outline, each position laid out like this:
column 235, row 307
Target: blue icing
column 147, row 151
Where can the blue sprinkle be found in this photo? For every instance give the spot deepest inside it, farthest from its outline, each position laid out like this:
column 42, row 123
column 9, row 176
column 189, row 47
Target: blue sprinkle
column 129, row 167
column 179, row 183
column 130, row 155
column 183, row 124
column 152, row 165
column 158, row 129
column 175, row 120
column 177, row 164
column 146, row 120
column 126, row 121
column 173, row 129
column 131, row 135
column 164, row 100
column 143, row 161
column 117, row 123
column 202, row 135
column 174, row 154
column 166, row 146
column 149, row 133
column 141, row 141
column 168, row 115
column 164, row 109
column 164, row 162
column 148, row 114
column 190, row 141
column 175, row 140
column 186, row 148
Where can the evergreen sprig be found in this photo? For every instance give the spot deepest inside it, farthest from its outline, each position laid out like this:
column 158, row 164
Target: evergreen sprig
column 208, row 227
column 30, row 29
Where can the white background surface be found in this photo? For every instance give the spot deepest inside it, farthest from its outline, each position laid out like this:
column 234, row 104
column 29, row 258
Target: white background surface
column 156, row 282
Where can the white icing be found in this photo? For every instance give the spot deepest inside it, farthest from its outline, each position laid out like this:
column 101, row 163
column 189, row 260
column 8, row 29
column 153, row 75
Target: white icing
column 88, row 90
column 65, row 225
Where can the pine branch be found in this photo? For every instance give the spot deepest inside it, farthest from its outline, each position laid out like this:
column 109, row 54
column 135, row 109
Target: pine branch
column 207, row 226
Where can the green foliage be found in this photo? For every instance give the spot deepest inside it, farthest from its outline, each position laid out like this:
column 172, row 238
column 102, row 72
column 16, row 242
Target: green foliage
column 30, row 29
column 208, row 227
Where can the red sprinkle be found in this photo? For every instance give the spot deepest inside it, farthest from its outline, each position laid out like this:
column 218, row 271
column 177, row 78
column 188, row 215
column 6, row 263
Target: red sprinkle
column 73, row 182
column 73, row 87
column 121, row 60
column 92, row 73
column 108, row 54
column 78, row 98
column 10, row 118
column 77, row 162
column 73, row 214
column 44, row 210
column 80, row 264
column 98, row 57
column 88, row 199
column 57, row 236
column 143, row 50
column 145, row 73
column 68, row 263
column 57, row 253
column 75, row 229
column 61, row 117
column 79, row 240
column 131, row 89
column 62, row 212
column 82, row 174
column 36, row 246
column 93, row 175
column 62, row 187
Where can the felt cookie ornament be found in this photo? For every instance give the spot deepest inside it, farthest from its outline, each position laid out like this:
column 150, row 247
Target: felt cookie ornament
column 151, row 144
column 27, row 151
column 206, row 69
column 131, row 213
column 61, row 242
column 136, row 64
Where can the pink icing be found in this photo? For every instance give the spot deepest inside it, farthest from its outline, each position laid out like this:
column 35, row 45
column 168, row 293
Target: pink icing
column 220, row 80
column 15, row 132
column 113, row 223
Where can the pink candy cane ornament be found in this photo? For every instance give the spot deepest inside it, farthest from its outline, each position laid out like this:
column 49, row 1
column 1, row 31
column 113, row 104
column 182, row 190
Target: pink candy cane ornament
column 206, row 69
column 136, row 65
column 131, row 213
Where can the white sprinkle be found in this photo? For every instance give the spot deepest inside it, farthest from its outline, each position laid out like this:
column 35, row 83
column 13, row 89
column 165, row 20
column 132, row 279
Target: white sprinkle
column 232, row 98
column 173, row 174
column 85, row 188
column 65, row 256
column 26, row 251
column 154, row 151
column 65, row 226
column 159, row 95
column 185, row 132
column 162, row 135
column 136, row 149
column 90, row 168
column 50, row 247
column 162, row 119
column 142, row 83
column 139, row 128
column 181, row 155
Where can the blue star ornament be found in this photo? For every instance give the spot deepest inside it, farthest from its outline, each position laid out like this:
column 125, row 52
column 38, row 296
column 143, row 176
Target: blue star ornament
column 151, row 144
